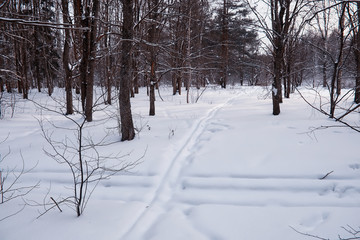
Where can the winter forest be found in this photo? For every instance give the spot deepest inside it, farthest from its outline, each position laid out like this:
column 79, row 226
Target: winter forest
column 179, row 119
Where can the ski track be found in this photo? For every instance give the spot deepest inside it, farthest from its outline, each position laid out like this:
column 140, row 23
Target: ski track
column 177, row 187
column 171, row 177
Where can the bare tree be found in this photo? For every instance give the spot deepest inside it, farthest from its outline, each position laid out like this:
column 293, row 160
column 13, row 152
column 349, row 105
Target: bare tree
column 81, row 153
column 335, row 83
column 66, row 60
column 10, row 183
column 352, row 233
column 354, row 18
column 127, row 125
column 153, row 32
column 225, row 43
column 283, row 15
column 87, row 66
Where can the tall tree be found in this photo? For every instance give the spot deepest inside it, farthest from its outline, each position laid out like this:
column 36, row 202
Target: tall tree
column 87, row 66
column 127, row 126
column 323, row 24
column 66, row 59
column 283, row 15
column 337, row 61
column 225, row 42
column 153, row 31
column 280, row 22
column 356, row 47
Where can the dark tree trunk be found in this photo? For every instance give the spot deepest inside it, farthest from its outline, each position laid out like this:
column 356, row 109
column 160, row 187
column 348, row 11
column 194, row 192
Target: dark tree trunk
column 135, row 75
column 225, row 44
column 136, row 51
column 188, row 53
column 66, row 60
column 152, row 33
column 8, row 87
column 2, row 89
column 276, row 86
column 127, row 126
column 152, row 89
column 357, row 81
column 17, row 50
column 357, row 57
column 324, row 74
column 85, row 58
column 287, row 78
column 25, row 83
column 92, row 60
column 280, row 17
column 36, row 53
column 335, row 86
column 77, row 48
column 108, row 58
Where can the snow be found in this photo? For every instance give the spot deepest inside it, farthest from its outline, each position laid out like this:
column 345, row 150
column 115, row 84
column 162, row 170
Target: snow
column 223, row 168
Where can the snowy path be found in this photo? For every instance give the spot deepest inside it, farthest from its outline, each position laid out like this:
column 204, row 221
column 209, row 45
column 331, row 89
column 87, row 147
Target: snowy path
column 170, row 179
column 221, row 169
column 190, row 189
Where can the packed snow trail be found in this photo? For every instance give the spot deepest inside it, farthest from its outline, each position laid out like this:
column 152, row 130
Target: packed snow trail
column 219, row 169
column 170, row 177
column 209, row 173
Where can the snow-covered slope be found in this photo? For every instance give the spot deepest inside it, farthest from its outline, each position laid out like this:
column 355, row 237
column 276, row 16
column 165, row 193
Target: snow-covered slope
column 223, row 168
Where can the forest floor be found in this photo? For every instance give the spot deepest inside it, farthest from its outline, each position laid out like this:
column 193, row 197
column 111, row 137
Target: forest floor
column 221, row 168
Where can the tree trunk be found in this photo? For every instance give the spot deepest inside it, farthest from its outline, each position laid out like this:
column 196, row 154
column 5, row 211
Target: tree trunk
column 77, row 48
column 127, row 126
column 188, row 53
column 335, row 86
column 340, row 59
column 225, row 44
column 152, row 33
column 108, row 62
column 25, row 83
column 276, row 88
column 36, row 53
column 85, row 57
column 357, row 57
column 1, row 85
column 280, row 20
column 287, row 78
column 92, row 60
column 66, row 60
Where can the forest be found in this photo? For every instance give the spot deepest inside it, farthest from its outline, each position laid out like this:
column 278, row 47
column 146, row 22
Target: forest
column 179, row 119
column 123, row 45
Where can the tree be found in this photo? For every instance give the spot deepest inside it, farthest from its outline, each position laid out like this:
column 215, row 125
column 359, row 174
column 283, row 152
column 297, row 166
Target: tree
column 66, row 59
column 177, row 35
column 354, row 18
column 283, row 15
column 77, row 149
column 153, row 36
column 225, row 42
column 127, row 126
column 10, row 183
column 87, row 66
column 335, row 84
column 280, row 22
column 323, row 24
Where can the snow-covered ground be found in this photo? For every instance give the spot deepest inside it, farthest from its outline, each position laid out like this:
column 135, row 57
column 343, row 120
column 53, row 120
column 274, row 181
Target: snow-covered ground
column 222, row 168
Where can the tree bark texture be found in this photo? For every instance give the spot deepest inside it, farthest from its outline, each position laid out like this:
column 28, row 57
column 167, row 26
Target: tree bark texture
column 66, row 60
column 225, row 44
column 357, row 57
column 152, row 34
column 280, row 17
column 127, row 126
column 92, row 60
